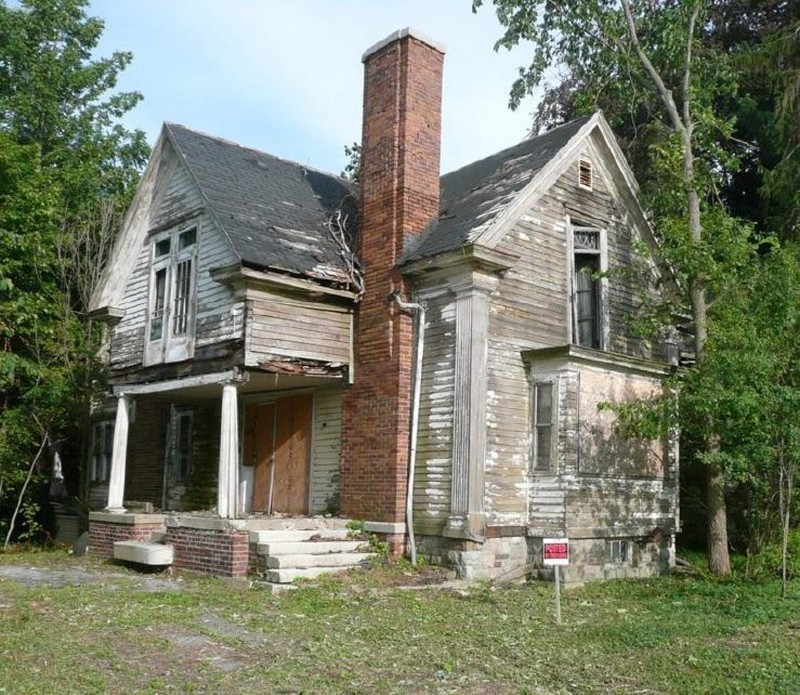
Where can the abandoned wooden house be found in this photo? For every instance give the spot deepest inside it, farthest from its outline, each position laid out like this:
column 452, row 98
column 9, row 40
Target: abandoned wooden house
column 447, row 372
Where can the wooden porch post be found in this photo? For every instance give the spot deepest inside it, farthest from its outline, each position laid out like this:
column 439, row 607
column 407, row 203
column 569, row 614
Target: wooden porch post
column 116, row 483
column 228, row 482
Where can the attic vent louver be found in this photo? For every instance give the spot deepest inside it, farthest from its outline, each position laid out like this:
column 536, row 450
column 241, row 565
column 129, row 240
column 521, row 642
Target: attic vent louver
column 585, row 173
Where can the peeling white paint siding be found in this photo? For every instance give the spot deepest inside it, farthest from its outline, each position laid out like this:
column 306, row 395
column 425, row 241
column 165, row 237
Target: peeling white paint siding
column 530, row 310
column 326, row 449
column 432, row 483
column 177, row 194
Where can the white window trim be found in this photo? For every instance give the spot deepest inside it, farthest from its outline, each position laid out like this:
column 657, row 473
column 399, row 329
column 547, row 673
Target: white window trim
column 553, row 383
column 170, row 347
column 602, row 252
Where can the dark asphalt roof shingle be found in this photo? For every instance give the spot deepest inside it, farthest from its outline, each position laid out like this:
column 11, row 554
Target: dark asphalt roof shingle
column 273, row 211
column 475, row 194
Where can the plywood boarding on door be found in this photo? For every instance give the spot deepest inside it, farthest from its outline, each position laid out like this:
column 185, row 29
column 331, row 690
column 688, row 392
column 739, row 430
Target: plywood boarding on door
column 292, row 454
column 258, row 448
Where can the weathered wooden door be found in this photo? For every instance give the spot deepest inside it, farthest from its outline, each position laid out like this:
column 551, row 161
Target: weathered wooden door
column 259, row 450
column 277, row 443
column 292, row 454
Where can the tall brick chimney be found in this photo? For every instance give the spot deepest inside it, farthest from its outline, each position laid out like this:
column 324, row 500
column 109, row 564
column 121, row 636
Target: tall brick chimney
column 400, row 149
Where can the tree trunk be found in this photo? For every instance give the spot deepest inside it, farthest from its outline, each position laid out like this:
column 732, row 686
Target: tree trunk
column 718, row 558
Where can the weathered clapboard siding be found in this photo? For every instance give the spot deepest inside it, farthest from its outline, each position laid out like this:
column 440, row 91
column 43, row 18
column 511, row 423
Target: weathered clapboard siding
column 531, row 310
column 326, row 450
column 432, row 482
column 283, row 326
column 216, row 317
column 508, row 436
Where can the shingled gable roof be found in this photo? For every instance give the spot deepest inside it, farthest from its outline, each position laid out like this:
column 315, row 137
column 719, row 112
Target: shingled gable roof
column 473, row 196
column 274, row 212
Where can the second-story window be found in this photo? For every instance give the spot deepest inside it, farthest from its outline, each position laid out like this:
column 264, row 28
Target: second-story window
column 587, row 290
column 170, row 326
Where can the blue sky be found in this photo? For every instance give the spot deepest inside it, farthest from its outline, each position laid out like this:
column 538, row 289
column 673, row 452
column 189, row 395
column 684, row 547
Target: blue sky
column 285, row 76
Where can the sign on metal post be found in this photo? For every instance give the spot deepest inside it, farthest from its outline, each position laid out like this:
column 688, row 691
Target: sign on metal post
column 555, row 553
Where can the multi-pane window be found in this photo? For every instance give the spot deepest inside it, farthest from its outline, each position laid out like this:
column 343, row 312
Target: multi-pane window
column 587, row 313
column 618, row 551
column 102, row 449
column 171, row 292
column 543, row 426
column 181, row 445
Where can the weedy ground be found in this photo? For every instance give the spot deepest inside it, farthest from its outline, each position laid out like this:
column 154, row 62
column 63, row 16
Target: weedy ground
column 75, row 625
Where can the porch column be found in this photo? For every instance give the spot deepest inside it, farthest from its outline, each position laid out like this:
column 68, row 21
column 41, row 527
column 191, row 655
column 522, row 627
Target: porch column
column 116, row 483
column 228, row 479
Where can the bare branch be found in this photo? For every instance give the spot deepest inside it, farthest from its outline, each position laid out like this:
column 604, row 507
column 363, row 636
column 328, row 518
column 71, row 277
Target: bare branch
column 663, row 91
column 687, row 70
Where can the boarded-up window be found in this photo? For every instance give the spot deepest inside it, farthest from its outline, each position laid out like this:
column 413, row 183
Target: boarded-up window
column 544, row 410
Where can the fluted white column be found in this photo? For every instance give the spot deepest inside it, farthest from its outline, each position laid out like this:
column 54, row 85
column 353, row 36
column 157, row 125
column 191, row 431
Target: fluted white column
column 116, row 483
column 228, row 479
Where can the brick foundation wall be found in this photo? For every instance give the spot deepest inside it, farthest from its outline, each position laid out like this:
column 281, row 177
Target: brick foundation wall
column 400, row 197
column 219, row 552
column 103, row 533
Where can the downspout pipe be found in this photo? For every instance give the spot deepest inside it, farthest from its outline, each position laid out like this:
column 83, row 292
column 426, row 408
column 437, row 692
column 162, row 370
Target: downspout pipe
column 419, row 311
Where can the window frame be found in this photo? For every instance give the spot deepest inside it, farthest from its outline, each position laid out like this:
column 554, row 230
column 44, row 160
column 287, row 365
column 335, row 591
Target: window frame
column 575, row 252
column 178, row 474
column 552, row 426
column 172, row 340
column 101, row 452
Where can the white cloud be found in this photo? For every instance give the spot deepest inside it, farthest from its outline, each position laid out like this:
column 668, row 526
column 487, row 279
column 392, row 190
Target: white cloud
column 286, row 76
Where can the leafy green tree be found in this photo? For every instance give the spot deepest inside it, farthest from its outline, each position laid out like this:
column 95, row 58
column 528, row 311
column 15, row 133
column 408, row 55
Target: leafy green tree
column 651, row 56
column 67, row 170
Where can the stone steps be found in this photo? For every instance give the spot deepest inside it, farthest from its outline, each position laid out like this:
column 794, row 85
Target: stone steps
column 307, row 561
column 287, row 535
column 308, row 547
column 290, row 554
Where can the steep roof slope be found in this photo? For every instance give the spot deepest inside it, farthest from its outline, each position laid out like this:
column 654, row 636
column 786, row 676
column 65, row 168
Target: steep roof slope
column 273, row 211
column 471, row 197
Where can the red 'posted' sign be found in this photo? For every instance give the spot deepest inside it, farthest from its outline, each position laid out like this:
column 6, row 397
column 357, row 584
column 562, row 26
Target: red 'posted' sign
column 555, row 551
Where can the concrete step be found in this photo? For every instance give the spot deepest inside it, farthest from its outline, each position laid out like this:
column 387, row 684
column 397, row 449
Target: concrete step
column 309, row 547
column 306, row 561
column 143, row 553
column 311, row 523
column 288, row 575
column 290, row 535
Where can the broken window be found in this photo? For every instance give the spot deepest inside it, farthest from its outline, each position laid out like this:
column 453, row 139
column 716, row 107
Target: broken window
column 587, row 290
column 102, row 449
column 544, row 410
column 172, row 288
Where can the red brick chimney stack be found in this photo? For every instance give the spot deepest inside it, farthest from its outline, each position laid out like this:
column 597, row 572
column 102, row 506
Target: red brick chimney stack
column 400, row 149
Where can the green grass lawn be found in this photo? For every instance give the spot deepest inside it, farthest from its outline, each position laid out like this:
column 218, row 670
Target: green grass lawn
column 78, row 626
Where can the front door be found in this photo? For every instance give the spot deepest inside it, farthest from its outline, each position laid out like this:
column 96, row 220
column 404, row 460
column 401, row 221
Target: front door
column 277, row 443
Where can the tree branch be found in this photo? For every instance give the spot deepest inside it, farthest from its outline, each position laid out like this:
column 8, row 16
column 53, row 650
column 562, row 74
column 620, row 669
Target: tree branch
column 663, row 91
